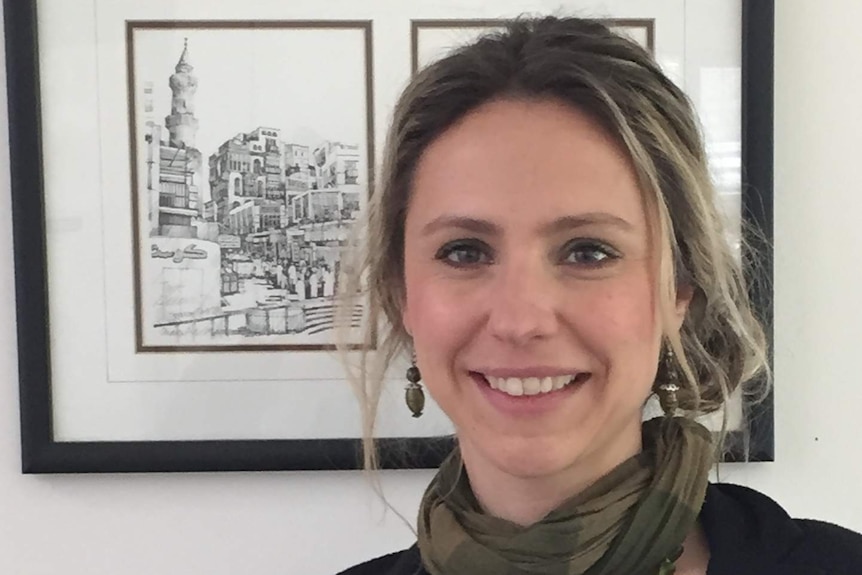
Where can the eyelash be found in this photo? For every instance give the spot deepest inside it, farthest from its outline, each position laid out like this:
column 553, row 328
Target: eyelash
column 589, row 244
column 444, row 253
column 608, row 253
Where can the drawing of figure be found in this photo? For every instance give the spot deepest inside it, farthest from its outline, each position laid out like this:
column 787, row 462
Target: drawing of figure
column 291, row 275
column 328, row 282
column 280, row 277
column 313, row 283
column 300, row 288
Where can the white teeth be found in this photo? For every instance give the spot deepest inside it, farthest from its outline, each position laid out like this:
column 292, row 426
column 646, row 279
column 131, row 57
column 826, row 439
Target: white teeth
column 529, row 386
column 560, row 381
column 514, row 386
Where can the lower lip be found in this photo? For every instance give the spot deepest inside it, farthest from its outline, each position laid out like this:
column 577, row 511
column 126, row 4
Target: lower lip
column 525, row 405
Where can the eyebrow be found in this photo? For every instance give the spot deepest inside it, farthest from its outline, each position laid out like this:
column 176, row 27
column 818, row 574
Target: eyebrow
column 564, row 223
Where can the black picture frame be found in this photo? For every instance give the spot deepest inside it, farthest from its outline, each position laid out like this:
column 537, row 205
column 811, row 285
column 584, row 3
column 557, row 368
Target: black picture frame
column 42, row 454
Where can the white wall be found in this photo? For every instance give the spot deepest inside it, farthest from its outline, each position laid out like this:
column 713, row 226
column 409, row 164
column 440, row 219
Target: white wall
column 309, row 524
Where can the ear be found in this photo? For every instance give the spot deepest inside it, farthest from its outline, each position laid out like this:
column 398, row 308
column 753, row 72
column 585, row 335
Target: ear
column 684, row 293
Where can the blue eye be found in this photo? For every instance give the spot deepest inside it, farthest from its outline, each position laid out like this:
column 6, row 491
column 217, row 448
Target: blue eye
column 589, row 253
column 464, row 253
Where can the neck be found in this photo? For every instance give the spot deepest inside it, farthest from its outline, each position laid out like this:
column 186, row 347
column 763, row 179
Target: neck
column 527, row 499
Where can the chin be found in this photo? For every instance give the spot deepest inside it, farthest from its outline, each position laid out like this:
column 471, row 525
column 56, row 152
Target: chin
column 535, row 458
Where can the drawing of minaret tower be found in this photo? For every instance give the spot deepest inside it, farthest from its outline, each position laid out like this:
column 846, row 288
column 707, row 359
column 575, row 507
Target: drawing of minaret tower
column 182, row 124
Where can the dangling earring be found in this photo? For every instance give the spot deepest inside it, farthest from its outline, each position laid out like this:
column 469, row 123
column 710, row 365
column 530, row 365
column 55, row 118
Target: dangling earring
column 414, row 396
column 666, row 391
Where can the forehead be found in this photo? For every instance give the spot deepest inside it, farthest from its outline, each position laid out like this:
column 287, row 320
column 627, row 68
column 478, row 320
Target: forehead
column 526, row 158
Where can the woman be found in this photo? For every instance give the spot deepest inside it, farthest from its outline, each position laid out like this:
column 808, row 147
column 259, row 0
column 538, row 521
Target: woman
column 546, row 243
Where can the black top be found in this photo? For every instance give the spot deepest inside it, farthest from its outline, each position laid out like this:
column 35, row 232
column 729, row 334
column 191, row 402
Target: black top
column 748, row 534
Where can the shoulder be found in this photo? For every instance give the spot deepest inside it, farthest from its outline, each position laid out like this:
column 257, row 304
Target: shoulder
column 406, row 562
column 833, row 547
column 750, row 532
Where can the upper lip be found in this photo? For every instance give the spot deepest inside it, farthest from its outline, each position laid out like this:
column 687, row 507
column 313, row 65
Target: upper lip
column 525, row 372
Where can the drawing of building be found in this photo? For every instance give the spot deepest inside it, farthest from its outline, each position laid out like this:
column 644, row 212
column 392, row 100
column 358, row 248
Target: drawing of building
column 174, row 164
column 257, row 215
column 297, row 169
column 337, row 164
column 249, row 165
column 210, row 211
column 182, row 268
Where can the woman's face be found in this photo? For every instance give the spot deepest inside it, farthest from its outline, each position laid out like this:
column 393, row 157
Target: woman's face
column 531, row 289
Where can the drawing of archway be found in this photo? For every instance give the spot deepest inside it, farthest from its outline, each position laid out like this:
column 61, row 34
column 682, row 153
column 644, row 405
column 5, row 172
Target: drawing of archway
column 235, row 186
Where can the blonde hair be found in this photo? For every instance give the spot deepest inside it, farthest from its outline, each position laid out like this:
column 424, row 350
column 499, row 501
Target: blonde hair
column 581, row 63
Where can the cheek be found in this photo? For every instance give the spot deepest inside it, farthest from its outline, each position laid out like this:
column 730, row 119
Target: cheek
column 618, row 322
column 441, row 329
column 624, row 314
column 436, row 312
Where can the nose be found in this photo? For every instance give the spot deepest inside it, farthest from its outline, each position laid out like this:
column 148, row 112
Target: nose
column 523, row 303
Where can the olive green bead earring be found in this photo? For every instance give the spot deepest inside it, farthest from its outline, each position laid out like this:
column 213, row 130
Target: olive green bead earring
column 414, row 395
column 667, row 389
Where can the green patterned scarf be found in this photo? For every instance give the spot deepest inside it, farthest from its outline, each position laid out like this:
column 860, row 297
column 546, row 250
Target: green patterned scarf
column 632, row 521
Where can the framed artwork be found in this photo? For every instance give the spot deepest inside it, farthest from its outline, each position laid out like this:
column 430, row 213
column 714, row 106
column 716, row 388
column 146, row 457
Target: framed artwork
column 185, row 180
column 238, row 230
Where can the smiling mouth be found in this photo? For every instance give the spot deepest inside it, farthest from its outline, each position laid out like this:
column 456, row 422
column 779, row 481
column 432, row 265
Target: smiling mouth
column 521, row 386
